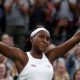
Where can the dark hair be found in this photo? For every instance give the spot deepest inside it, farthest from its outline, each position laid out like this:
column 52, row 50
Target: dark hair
column 28, row 45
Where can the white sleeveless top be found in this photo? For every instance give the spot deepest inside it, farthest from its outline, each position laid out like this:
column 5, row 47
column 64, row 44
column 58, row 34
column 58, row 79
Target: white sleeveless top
column 37, row 69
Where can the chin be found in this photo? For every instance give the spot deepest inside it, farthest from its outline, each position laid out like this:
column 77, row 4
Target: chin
column 42, row 50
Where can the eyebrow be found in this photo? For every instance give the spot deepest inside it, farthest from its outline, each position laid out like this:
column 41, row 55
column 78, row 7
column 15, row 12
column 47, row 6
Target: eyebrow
column 44, row 34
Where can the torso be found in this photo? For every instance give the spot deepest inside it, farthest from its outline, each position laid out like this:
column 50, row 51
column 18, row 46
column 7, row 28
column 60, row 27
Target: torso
column 37, row 69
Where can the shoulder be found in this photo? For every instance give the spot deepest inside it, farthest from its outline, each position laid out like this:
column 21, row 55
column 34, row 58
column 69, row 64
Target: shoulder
column 51, row 46
column 19, row 54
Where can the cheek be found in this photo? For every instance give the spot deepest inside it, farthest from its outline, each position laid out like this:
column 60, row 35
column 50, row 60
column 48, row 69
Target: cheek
column 35, row 42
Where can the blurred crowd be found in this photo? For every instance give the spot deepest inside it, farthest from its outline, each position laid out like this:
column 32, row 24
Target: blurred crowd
column 60, row 17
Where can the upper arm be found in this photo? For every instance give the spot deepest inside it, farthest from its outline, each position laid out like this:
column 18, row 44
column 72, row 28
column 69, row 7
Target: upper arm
column 62, row 49
column 5, row 50
column 52, row 54
column 10, row 52
column 8, row 2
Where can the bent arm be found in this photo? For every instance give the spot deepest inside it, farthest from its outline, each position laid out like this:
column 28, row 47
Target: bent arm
column 7, row 51
column 24, row 6
column 8, row 5
column 13, row 53
column 65, row 47
column 17, row 55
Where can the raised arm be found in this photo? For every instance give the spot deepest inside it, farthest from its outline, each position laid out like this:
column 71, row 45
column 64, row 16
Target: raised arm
column 62, row 49
column 8, row 5
column 23, row 6
column 6, row 50
column 11, row 52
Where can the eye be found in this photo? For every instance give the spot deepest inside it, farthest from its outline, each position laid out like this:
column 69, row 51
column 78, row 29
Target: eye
column 41, row 36
column 48, row 38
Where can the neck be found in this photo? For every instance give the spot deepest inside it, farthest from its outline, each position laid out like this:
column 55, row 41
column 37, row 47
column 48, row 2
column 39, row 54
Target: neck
column 36, row 54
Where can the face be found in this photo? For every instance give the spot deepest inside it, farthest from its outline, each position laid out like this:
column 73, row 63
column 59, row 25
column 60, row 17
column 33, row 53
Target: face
column 2, row 70
column 40, row 41
column 61, row 68
column 77, row 76
column 6, row 39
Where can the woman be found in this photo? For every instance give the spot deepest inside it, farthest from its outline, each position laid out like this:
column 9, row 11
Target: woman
column 4, row 75
column 61, row 71
column 35, row 65
column 77, row 75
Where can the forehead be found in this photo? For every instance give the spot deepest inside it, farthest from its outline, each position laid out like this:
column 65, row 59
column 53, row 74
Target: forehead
column 43, row 33
column 2, row 65
column 5, row 36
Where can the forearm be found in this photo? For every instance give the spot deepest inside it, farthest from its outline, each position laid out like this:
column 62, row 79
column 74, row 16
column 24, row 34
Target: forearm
column 5, row 50
column 8, row 5
column 68, row 45
column 64, row 48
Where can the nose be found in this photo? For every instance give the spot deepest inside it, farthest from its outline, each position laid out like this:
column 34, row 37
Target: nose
column 46, row 41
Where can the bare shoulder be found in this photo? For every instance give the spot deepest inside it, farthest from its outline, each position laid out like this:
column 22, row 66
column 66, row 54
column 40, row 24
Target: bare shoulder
column 50, row 51
column 19, row 54
column 20, row 58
